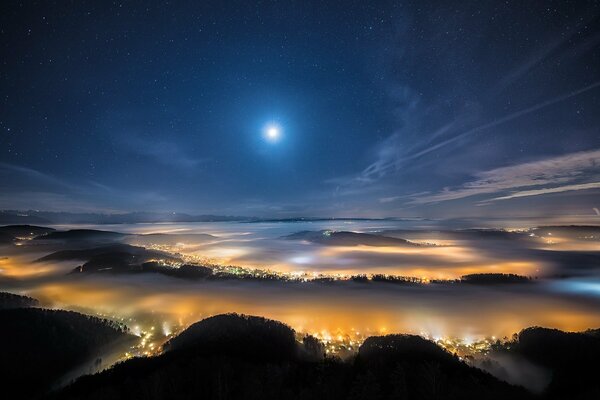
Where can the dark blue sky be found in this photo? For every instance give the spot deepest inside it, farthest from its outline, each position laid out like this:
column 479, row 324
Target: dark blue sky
column 430, row 109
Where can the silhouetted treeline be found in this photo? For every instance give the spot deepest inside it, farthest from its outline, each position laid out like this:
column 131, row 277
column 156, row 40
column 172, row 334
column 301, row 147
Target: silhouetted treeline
column 395, row 278
column 39, row 346
column 490, row 279
column 239, row 357
column 573, row 358
column 410, row 367
column 249, row 337
column 361, row 278
column 185, row 271
column 9, row 300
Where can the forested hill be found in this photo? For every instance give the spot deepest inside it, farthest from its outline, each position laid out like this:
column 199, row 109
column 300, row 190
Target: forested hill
column 240, row 357
column 39, row 346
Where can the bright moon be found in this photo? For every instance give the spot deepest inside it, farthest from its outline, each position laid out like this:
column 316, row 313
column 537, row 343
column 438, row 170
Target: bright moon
column 272, row 133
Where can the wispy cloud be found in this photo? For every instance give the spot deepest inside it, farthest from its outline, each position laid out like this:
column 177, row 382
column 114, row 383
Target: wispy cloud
column 27, row 188
column 538, row 192
column 504, row 119
column 25, row 173
column 575, row 171
column 165, row 152
column 392, row 156
column 443, row 116
column 562, row 44
column 391, row 199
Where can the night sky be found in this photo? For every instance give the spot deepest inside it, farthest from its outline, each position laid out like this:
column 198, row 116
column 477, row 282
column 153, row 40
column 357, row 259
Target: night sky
column 482, row 108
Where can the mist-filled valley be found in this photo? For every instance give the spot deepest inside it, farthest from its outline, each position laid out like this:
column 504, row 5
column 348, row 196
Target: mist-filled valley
column 339, row 281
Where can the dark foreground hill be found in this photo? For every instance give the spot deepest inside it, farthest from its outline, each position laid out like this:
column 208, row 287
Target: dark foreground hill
column 231, row 335
column 9, row 300
column 572, row 357
column 239, row 357
column 39, row 346
column 410, row 367
column 242, row 357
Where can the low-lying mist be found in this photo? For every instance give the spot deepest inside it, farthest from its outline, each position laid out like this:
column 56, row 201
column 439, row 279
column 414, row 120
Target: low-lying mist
column 318, row 249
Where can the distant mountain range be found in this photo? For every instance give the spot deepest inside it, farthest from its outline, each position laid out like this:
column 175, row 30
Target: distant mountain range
column 50, row 217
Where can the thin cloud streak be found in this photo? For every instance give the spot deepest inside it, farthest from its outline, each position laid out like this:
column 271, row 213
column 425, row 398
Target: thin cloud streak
column 32, row 189
column 561, row 173
column 389, row 157
column 165, row 152
column 538, row 192
column 30, row 173
column 560, row 45
column 504, row 119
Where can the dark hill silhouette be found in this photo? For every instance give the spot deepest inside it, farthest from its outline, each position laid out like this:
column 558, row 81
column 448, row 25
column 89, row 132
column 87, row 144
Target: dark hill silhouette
column 407, row 347
column 123, row 258
column 114, row 258
column 408, row 366
column 186, row 271
column 83, row 235
column 249, row 337
column 114, row 261
column 398, row 279
column 9, row 300
column 25, row 230
column 589, row 232
column 88, row 253
column 464, row 234
column 344, row 238
column 11, row 233
column 553, row 348
column 39, row 346
column 50, row 235
column 5, row 238
column 241, row 357
column 573, row 358
column 494, row 279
